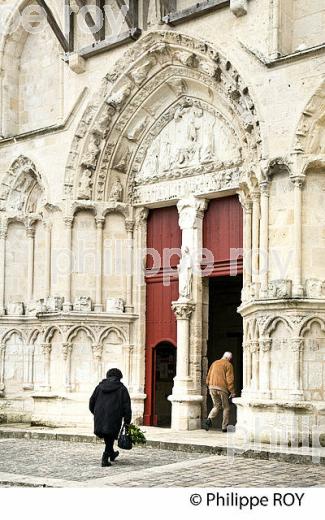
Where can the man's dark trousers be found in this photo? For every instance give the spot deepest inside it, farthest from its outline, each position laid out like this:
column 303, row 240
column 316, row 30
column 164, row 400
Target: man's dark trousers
column 109, row 443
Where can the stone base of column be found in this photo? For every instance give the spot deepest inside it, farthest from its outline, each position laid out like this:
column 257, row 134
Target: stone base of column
column 67, row 307
column 279, row 422
column 137, row 402
column 98, row 307
column 186, row 412
column 129, row 309
column 297, row 291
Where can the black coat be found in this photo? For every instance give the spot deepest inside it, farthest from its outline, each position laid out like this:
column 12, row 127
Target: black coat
column 110, row 403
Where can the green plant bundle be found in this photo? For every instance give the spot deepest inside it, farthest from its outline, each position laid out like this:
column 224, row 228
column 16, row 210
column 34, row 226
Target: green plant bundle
column 136, row 434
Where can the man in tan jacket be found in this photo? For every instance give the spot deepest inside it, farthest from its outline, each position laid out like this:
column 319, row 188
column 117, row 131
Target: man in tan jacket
column 220, row 380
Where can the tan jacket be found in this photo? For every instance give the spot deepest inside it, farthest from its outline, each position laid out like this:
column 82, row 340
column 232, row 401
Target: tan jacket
column 221, row 376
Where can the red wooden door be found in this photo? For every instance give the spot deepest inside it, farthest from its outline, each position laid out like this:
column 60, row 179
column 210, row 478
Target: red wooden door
column 223, row 235
column 163, row 235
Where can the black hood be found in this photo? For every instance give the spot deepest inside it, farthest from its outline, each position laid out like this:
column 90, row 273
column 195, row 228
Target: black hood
column 110, row 385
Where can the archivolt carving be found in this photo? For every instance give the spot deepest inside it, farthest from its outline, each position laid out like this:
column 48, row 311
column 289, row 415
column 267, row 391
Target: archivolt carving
column 75, row 330
column 119, row 333
column 308, row 322
column 22, row 190
column 126, row 89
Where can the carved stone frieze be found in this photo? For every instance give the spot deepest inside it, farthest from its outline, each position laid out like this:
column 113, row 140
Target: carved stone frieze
column 280, row 289
column 82, row 304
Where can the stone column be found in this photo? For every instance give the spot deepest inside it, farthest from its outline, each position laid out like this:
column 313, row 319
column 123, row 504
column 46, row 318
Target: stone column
column 30, row 263
column 29, row 368
column 3, row 239
column 247, row 368
column 255, row 365
column 67, row 305
column 47, row 259
column 46, row 351
column 97, row 350
column 255, row 242
column 98, row 307
column 296, row 348
column 247, row 253
column 138, row 328
column 264, row 239
column 127, row 359
column 265, row 368
column 67, row 351
column 2, row 368
column 298, row 182
column 129, row 226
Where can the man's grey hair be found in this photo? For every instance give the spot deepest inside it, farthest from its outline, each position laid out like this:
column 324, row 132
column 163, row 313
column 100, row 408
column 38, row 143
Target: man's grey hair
column 227, row 355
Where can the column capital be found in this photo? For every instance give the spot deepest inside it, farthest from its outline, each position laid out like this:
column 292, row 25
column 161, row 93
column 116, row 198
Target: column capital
column 141, row 216
column 30, row 232
column 296, row 344
column 254, row 346
column 68, row 221
column 245, row 201
column 129, row 225
column 183, row 310
column 100, row 221
column 66, row 350
column 97, row 350
column 46, row 348
column 265, row 187
column 256, row 195
column 189, row 210
column 2, row 347
column 298, row 180
column 266, row 344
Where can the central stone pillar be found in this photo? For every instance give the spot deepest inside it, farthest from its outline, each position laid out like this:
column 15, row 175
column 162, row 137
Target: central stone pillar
column 186, row 397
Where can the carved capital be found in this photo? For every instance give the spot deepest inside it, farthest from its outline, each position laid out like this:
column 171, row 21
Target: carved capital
column 245, row 202
column 68, row 221
column 296, row 344
column 239, row 7
column 66, row 350
column 189, row 210
column 265, row 188
column 183, row 310
column 256, row 196
column 46, row 349
column 266, row 344
column 30, row 232
column 298, row 180
column 129, row 225
column 100, row 221
column 2, row 348
column 141, row 217
column 254, row 346
column 97, row 351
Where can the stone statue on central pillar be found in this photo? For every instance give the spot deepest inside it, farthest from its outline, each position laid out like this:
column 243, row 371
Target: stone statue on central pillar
column 185, row 275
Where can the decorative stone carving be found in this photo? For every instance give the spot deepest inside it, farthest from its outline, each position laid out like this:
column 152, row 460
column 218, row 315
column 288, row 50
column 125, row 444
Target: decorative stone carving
column 115, row 305
column 66, row 350
column 140, row 74
column 195, row 136
column 122, row 159
column 314, row 288
column 85, row 184
column 296, row 344
column 15, row 309
column 185, row 275
column 134, row 133
column 189, row 59
column 116, row 194
column 280, row 289
column 183, row 310
column 82, row 304
column 97, row 350
column 266, row 344
column 36, row 307
column 54, row 303
column 117, row 99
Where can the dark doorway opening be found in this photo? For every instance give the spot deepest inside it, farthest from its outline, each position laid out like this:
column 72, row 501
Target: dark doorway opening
column 164, row 367
column 226, row 329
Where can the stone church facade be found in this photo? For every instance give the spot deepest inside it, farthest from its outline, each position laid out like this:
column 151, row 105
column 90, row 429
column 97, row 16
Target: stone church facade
column 199, row 105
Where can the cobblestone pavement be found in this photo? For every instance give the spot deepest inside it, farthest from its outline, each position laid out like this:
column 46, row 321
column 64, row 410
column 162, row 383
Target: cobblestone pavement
column 68, row 464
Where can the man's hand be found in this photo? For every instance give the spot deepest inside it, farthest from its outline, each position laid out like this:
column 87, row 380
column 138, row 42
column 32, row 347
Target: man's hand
column 232, row 396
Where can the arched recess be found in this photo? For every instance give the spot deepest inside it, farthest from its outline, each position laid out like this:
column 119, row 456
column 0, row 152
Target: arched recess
column 30, row 98
column 279, row 331
column 165, row 82
column 313, row 359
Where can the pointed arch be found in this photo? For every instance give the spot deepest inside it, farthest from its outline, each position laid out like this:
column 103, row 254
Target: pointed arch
column 75, row 330
column 118, row 125
column 22, row 190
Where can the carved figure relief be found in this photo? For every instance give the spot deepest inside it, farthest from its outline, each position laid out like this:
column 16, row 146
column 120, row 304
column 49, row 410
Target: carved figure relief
column 185, row 274
column 193, row 137
column 116, row 194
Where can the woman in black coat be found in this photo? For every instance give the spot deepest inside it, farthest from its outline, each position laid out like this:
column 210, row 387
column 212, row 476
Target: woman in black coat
column 109, row 404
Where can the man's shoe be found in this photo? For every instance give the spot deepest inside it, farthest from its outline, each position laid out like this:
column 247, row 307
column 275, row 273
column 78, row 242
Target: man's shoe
column 105, row 461
column 207, row 424
column 225, row 430
column 114, row 456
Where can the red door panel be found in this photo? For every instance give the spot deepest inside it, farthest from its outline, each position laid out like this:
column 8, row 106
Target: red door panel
column 222, row 232
column 163, row 233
